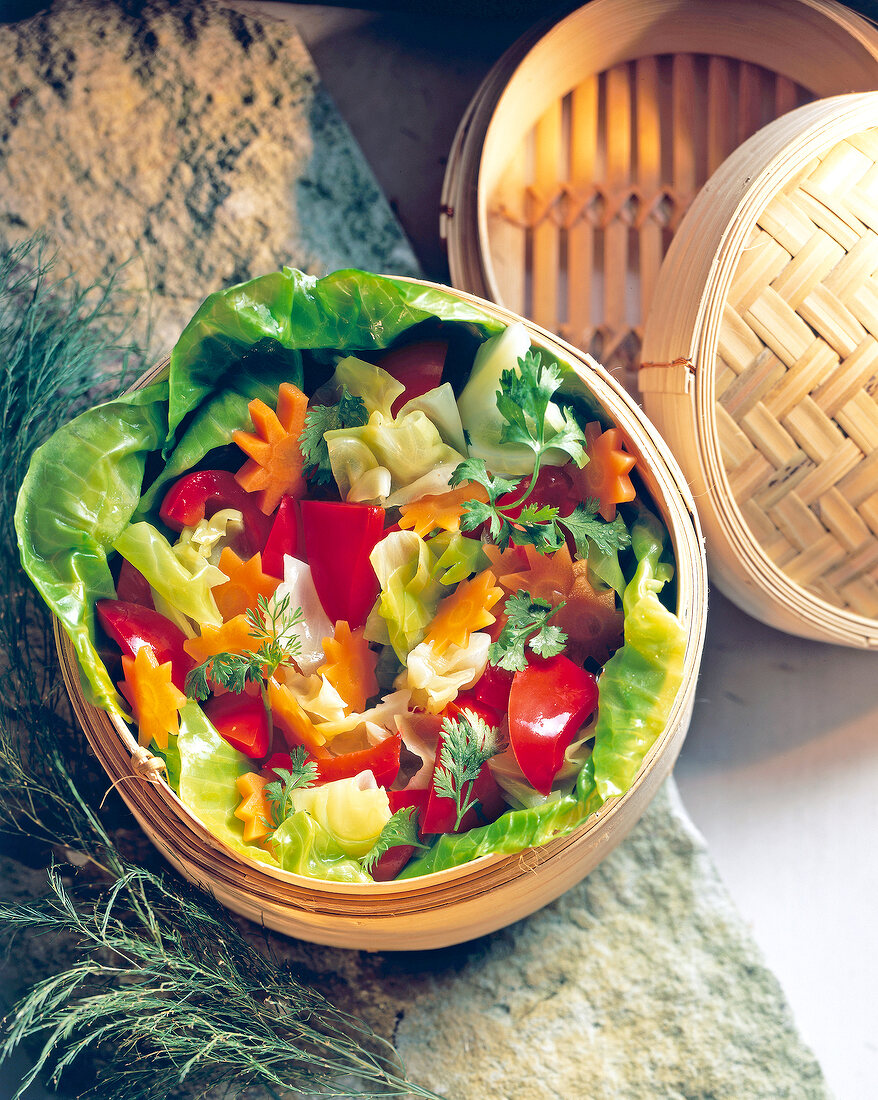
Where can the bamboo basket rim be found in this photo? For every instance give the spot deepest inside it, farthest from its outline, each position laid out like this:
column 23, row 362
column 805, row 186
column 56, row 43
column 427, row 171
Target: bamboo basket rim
column 114, row 743
column 697, row 275
column 629, row 29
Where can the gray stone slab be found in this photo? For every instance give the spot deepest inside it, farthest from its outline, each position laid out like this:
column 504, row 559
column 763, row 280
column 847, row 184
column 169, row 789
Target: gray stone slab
column 188, row 141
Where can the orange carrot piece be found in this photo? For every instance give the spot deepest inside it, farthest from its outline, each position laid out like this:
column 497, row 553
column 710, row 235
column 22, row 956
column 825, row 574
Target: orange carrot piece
column 154, row 699
column 442, row 511
column 350, row 666
column 467, row 609
column 246, row 583
column 275, row 466
column 605, row 475
column 255, row 809
column 292, row 721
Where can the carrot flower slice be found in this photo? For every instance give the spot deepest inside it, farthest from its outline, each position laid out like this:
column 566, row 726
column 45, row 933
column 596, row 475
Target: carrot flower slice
column 605, row 475
column 254, row 810
column 465, row 611
column 442, row 511
column 246, row 583
column 154, row 699
column 275, row 465
column 350, row 666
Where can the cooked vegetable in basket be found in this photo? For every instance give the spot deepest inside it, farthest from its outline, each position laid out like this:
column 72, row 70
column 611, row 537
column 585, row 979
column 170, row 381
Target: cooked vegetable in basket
column 370, row 572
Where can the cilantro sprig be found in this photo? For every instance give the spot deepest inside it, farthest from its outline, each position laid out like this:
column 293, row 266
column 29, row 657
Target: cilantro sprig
column 274, row 625
column 302, row 773
column 523, row 401
column 401, row 828
column 527, row 626
column 349, row 412
column 468, row 742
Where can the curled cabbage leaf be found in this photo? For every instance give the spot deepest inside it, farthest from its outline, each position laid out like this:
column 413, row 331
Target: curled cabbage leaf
column 410, row 593
column 434, row 680
column 440, row 406
column 314, row 625
column 374, row 385
column 303, row 846
column 353, row 811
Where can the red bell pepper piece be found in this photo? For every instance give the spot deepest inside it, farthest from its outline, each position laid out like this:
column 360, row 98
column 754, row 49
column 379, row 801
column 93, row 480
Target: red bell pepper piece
column 282, row 539
column 242, row 720
column 132, row 626
column 391, row 862
column 133, row 587
column 468, row 700
column 441, row 812
column 338, row 541
column 382, row 760
column 199, row 495
column 493, row 688
column 553, row 486
column 549, row 703
column 417, row 366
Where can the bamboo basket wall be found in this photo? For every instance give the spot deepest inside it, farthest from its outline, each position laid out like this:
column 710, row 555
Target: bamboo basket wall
column 761, row 369
column 581, row 152
column 450, row 906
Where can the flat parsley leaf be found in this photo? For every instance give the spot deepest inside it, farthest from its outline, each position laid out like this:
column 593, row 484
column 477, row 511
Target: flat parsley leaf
column 585, row 525
column 400, row 829
column 349, row 412
column 527, row 624
column 468, row 742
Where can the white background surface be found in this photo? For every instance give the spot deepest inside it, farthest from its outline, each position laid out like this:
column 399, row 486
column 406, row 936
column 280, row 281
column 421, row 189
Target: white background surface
column 780, row 768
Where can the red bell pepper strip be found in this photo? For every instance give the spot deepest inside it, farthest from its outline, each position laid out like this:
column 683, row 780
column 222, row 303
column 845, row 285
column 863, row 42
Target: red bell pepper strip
column 469, row 700
column 441, row 812
column 242, row 720
column 493, row 688
column 417, row 366
column 391, row 862
column 132, row 586
column 549, row 703
column 199, row 495
column 382, row 760
column 338, row 541
column 282, row 539
column 133, row 625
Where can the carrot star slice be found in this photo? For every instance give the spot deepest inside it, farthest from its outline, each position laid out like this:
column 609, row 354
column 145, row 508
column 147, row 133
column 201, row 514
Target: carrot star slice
column 442, row 511
column 255, row 809
column 545, row 576
column 465, row 611
column 232, row 637
column 275, row 465
column 591, row 620
column 154, row 699
column 246, row 583
column 605, row 475
column 350, row 666
column 292, row 721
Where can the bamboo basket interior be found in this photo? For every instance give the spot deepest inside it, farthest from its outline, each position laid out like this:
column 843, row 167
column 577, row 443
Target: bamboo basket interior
column 450, row 906
column 582, row 151
column 762, row 369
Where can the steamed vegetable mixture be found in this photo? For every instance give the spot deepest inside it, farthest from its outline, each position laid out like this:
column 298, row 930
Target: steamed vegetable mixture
column 372, row 575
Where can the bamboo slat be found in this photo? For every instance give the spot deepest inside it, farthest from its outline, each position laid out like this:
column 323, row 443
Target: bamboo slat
column 459, row 904
column 673, row 83
column 767, row 291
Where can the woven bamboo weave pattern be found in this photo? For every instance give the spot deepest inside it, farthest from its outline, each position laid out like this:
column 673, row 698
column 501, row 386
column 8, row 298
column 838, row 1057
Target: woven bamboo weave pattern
column 797, row 377
column 590, row 200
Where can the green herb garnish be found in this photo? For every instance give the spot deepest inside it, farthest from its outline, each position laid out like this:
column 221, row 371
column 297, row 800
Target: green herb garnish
column 349, row 412
column 274, row 624
column 468, row 742
column 302, row 773
column 527, row 625
column 401, row 828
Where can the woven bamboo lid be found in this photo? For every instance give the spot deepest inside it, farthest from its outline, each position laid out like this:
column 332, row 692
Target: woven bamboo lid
column 761, row 369
column 586, row 144
column 492, row 891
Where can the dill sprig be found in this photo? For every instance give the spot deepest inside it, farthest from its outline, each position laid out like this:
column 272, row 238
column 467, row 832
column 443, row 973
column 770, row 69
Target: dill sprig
column 165, row 991
column 468, row 742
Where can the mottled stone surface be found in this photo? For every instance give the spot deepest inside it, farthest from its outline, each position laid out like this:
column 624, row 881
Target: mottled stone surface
column 641, row 982
column 190, row 142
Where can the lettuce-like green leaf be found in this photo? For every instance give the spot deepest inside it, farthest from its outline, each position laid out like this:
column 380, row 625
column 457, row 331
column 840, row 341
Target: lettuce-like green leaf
column 209, row 767
column 305, row 847
column 79, row 493
column 410, row 593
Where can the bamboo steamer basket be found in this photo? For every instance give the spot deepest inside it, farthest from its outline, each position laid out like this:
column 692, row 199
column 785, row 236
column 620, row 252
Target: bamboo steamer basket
column 459, row 904
column 761, row 369
column 582, row 150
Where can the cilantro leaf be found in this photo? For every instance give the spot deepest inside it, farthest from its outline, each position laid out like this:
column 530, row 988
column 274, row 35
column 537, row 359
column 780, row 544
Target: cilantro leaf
column 401, row 828
column 585, row 525
column 349, row 412
column 527, row 624
column 468, row 742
